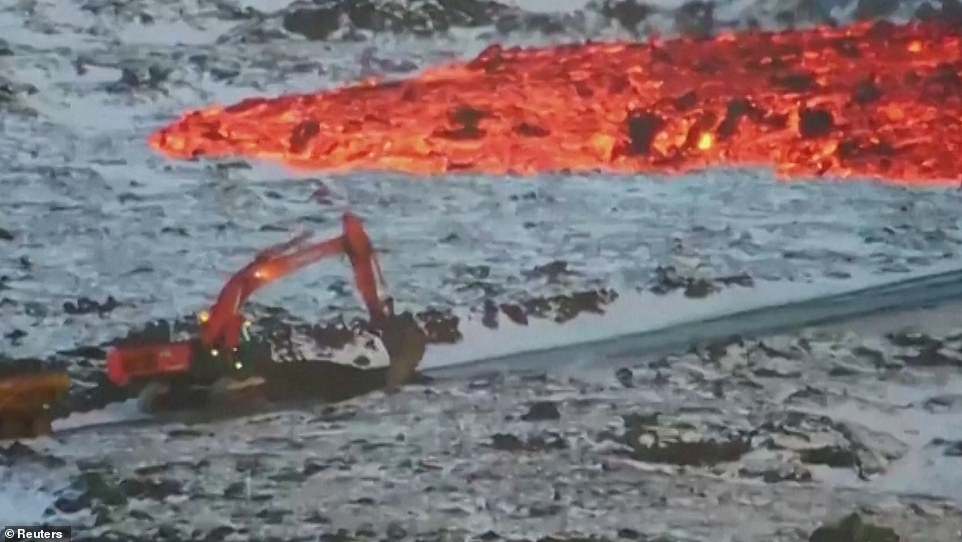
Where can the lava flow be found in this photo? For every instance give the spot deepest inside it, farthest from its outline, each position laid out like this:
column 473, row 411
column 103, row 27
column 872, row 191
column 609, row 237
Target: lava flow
column 869, row 100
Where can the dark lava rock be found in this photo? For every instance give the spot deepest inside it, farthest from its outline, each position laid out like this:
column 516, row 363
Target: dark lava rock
column 507, row 442
column 216, row 534
column 15, row 335
column 544, row 510
column 700, row 288
column 625, row 377
column 18, row 453
column 101, row 516
column 784, row 473
column 321, row 20
column 551, row 272
column 627, row 12
column 873, row 356
column 853, row 529
column 541, row 411
column 313, row 466
column 913, row 338
column 511, row 443
column 930, row 357
column 151, row 489
column 168, row 532
column 815, row 123
column 490, row 318
column 643, row 127
column 161, row 468
column 950, row 12
column 768, row 372
column 5, row 235
column 867, row 92
column 440, row 327
column 743, row 279
column 235, row 490
column 184, row 433
column 289, row 475
column 317, row 518
column 696, row 19
column 334, row 335
column 952, row 448
column 94, row 487
column 86, row 305
column 72, row 504
column 86, row 352
column 642, row 435
column 94, row 465
column 176, row 230
column 565, row 307
column 273, row 516
column 833, row 456
column 395, row 532
column 699, row 453
column 943, row 403
column 667, row 279
column 545, row 23
column 341, row 535
column 875, row 9
column 515, row 313
column 140, row 515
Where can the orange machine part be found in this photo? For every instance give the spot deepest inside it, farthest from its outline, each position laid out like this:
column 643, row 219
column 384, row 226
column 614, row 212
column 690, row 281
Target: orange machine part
column 129, row 363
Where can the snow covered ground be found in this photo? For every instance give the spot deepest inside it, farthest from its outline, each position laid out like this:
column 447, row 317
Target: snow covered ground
column 86, row 210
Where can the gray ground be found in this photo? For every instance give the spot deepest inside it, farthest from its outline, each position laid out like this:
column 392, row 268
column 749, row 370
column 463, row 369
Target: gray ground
column 748, row 440
column 87, row 210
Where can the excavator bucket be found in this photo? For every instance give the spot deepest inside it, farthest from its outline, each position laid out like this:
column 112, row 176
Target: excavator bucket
column 26, row 401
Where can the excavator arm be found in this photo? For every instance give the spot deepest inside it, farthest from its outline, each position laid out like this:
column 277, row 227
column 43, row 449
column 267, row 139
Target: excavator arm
column 224, row 323
column 222, row 327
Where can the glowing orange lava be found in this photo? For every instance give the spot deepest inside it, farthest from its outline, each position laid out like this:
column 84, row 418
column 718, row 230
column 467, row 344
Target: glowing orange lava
column 878, row 100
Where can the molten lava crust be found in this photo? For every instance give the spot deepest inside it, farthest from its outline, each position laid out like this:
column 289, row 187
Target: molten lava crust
column 871, row 100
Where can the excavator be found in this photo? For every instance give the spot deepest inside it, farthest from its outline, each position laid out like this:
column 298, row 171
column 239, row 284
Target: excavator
column 225, row 356
column 225, row 351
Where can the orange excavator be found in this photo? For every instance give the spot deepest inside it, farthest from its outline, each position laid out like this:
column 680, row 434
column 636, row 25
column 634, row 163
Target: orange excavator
column 225, row 348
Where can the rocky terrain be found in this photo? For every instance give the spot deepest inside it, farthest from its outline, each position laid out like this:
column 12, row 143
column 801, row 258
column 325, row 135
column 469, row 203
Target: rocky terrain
column 764, row 439
column 779, row 439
